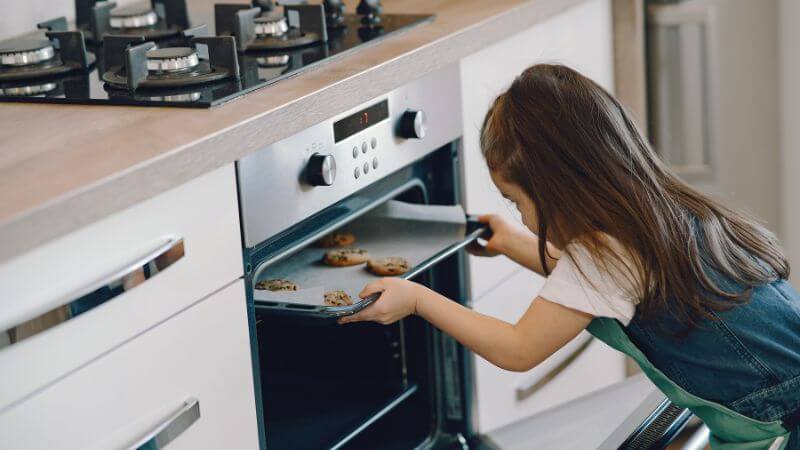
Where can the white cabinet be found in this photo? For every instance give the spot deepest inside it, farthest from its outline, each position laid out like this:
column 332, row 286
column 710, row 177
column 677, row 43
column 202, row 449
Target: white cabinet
column 505, row 397
column 201, row 354
column 580, row 37
column 200, row 217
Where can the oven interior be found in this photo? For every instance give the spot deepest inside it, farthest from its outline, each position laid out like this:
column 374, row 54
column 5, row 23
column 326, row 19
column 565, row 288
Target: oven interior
column 363, row 385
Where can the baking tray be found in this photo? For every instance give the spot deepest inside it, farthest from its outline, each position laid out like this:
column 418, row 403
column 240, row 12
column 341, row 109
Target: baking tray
column 422, row 234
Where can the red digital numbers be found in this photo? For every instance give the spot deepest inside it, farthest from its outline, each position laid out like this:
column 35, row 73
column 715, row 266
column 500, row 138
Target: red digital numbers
column 364, row 118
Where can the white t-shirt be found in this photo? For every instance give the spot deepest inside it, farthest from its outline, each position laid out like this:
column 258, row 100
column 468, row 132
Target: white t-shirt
column 598, row 290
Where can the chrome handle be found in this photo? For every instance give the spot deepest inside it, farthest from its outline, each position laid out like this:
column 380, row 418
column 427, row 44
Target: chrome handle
column 170, row 428
column 527, row 389
column 102, row 290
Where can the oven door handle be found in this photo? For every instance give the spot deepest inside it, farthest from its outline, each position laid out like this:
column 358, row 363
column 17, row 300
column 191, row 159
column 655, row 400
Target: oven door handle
column 475, row 230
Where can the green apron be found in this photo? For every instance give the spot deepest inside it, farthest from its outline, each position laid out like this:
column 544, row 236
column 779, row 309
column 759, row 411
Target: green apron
column 729, row 429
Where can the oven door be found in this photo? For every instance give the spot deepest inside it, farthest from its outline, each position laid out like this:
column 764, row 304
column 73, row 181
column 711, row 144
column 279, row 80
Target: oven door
column 364, row 385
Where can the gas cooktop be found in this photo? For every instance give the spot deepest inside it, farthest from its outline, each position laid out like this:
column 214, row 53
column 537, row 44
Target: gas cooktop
column 149, row 54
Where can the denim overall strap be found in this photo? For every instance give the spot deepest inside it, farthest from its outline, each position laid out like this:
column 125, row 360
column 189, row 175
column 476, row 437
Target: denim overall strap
column 729, row 429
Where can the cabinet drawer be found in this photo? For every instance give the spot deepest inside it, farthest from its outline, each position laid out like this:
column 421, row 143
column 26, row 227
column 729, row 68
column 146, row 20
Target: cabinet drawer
column 130, row 271
column 201, row 355
column 504, row 397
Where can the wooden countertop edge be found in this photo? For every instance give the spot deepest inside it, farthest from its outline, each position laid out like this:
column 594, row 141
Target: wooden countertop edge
column 120, row 190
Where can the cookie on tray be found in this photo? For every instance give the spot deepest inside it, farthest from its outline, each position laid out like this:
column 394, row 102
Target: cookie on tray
column 337, row 298
column 337, row 239
column 346, row 257
column 388, row 266
column 276, row 285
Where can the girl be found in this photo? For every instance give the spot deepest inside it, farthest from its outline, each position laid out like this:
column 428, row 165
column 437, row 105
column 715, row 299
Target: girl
column 694, row 292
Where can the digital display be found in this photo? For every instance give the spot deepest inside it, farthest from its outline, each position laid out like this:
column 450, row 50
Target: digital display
column 360, row 121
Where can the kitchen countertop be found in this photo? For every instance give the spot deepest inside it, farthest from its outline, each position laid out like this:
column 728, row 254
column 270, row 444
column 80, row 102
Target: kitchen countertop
column 66, row 166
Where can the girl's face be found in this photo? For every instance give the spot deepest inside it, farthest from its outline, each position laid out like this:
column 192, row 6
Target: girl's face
column 513, row 193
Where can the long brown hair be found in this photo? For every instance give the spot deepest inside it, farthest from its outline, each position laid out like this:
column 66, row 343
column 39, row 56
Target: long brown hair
column 573, row 149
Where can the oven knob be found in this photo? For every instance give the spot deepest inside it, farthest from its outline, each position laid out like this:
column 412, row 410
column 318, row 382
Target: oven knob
column 321, row 170
column 412, row 125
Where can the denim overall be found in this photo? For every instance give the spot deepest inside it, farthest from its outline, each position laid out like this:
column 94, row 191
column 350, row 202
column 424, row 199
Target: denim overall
column 740, row 374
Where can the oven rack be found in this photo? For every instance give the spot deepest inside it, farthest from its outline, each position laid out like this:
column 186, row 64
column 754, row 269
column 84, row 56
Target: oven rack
column 424, row 234
column 390, row 405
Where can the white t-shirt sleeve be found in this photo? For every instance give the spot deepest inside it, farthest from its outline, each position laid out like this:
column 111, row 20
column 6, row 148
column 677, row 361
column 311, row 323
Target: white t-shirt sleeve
column 590, row 289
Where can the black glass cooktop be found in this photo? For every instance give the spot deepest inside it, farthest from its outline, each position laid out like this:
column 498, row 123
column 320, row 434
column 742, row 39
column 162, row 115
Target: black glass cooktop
column 92, row 73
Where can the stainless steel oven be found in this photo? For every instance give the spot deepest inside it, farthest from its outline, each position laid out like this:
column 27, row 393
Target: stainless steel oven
column 386, row 170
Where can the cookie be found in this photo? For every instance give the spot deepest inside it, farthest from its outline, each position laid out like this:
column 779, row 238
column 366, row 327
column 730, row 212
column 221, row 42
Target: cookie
column 345, row 257
column 391, row 265
column 337, row 298
column 337, row 239
column 277, row 285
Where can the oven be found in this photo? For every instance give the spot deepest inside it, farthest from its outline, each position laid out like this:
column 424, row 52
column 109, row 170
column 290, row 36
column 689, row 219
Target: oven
column 387, row 171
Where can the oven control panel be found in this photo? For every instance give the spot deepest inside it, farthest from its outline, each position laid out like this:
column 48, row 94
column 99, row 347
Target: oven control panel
column 292, row 179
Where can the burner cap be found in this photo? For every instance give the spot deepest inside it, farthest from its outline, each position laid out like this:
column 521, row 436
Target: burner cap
column 25, row 52
column 270, row 26
column 172, row 59
column 133, row 16
column 273, row 60
column 28, row 91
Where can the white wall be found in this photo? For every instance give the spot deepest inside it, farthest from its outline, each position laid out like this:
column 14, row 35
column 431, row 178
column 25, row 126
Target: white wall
column 747, row 173
column 789, row 44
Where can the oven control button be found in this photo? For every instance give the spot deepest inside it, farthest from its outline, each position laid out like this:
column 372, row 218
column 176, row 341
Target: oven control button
column 321, row 170
column 355, row 152
column 412, row 125
column 373, row 143
column 357, row 172
column 366, row 168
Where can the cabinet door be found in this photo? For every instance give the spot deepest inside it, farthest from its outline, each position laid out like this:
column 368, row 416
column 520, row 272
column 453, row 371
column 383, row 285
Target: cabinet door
column 580, row 37
column 582, row 366
column 191, row 376
column 129, row 271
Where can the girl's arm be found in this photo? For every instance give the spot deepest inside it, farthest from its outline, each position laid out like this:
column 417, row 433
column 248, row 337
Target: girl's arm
column 516, row 242
column 543, row 329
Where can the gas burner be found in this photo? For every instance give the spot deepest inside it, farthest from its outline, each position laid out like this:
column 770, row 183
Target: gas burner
column 158, row 19
column 132, row 17
column 270, row 26
column 171, row 60
column 136, row 64
column 298, row 26
column 271, row 61
column 26, row 52
column 29, row 90
column 56, row 53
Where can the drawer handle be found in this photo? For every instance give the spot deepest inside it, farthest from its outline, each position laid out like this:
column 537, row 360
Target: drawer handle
column 102, row 290
column 527, row 389
column 170, row 428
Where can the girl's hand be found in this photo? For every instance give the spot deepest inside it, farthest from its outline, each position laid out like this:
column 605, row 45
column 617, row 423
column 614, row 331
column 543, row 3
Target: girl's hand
column 505, row 233
column 398, row 300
